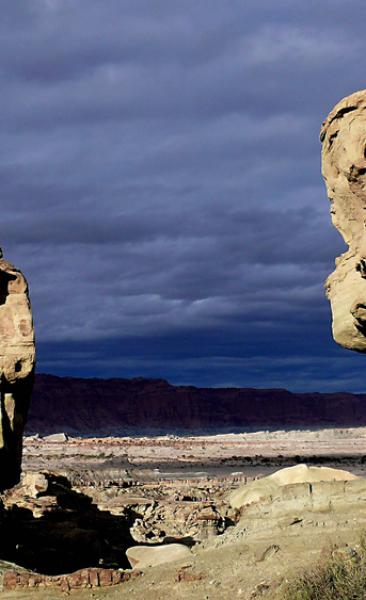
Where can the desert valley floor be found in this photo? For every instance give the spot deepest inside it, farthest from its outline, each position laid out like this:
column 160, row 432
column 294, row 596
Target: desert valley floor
column 83, row 502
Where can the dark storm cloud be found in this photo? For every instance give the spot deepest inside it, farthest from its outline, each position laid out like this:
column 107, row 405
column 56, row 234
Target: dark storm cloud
column 161, row 188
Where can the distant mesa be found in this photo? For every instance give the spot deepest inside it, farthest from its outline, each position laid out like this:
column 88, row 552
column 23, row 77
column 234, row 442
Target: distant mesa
column 141, row 406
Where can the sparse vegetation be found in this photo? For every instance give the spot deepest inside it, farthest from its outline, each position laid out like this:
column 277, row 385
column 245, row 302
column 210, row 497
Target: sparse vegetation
column 339, row 575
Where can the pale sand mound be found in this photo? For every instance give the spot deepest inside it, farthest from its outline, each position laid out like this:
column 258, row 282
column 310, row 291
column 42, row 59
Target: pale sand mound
column 263, row 488
column 304, row 474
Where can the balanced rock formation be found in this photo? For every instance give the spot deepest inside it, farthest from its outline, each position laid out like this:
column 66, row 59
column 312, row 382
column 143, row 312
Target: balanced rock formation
column 267, row 487
column 343, row 136
column 17, row 360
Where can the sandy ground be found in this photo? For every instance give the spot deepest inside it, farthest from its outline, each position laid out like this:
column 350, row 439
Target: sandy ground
column 232, row 571
column 250, row 454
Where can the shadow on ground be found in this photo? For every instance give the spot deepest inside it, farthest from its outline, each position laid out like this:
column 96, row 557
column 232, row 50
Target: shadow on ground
column 73, row 535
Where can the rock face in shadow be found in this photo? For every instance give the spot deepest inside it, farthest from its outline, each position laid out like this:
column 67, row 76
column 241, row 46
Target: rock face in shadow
column 17, row 360
column 49, row 527
column 124, row 406
column 343, row 137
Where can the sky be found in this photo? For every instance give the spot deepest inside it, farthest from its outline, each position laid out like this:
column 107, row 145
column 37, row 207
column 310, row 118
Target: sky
column 161, row 188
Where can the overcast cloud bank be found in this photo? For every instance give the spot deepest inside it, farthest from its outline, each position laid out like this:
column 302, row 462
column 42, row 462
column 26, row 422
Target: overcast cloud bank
column 161, row 189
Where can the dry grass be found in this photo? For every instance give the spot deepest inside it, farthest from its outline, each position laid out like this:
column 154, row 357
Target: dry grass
column 339, row 575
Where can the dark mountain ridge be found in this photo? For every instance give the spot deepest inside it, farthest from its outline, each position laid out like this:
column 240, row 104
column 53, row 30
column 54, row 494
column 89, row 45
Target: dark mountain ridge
column 103, row 406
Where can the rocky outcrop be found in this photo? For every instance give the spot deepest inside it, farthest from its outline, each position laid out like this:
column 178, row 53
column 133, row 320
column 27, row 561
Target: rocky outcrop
column 173, row 519
column 343, row 137
column 49, row 527
column 17, row 359
column 269, row 487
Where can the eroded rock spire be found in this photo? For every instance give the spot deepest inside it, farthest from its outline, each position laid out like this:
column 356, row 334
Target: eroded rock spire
column 17, row 361
column 343, row 136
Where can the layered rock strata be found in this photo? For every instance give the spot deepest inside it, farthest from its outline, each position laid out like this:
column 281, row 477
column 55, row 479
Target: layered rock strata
column 15, row 578
column 17, row 361
column 343, row 137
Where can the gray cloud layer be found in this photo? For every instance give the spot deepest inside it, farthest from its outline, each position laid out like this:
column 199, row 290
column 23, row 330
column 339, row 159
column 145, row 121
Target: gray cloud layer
column 161, row 188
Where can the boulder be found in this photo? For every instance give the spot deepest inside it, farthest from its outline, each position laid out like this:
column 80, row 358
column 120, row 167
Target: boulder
column 149, row 556
column 263, row 489
column 343, row 136
column 17, row 361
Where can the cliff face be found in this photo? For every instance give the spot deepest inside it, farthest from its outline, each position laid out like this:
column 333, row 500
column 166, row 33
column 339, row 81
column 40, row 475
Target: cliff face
column 103, row 406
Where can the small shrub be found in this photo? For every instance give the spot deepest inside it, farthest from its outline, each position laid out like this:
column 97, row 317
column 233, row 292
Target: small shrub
column 339, row 575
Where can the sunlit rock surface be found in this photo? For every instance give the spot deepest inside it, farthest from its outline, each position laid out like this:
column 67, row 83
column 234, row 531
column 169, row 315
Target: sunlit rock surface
column 343, row 137
column 269, row 487
column 17, row 360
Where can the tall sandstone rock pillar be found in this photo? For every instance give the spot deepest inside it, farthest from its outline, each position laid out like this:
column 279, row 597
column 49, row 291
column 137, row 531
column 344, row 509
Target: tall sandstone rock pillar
column 343, row 137
column 17, row 362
